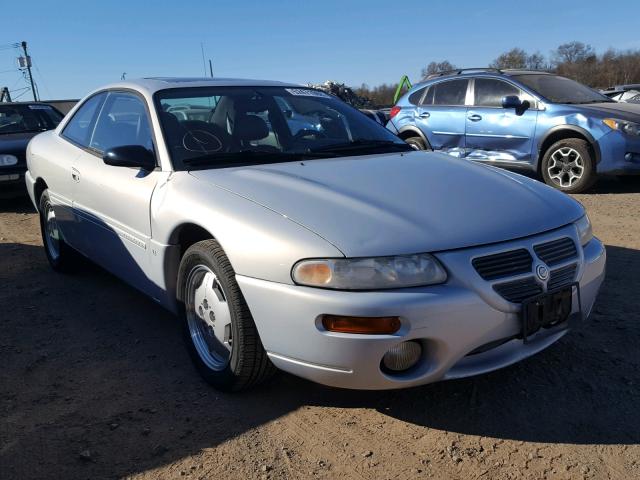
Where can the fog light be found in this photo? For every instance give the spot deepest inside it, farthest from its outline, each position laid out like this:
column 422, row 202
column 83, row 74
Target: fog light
column 402, row 356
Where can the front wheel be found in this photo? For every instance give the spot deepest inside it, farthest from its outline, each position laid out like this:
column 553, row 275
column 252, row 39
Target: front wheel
column 568, row 165
column 219, row 331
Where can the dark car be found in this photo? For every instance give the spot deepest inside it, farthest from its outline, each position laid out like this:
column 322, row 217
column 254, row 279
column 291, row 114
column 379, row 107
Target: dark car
column 19, row 123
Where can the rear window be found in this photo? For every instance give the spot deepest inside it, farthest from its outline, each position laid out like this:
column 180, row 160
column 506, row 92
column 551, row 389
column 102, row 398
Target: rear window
column 453, row 92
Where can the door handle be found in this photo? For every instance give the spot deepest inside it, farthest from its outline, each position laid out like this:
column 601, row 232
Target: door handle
column 75, row 174
column 475, row 117
column 424, row 115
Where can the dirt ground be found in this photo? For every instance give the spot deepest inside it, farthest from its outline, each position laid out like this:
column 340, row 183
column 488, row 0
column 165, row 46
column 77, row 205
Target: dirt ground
column 95, row 383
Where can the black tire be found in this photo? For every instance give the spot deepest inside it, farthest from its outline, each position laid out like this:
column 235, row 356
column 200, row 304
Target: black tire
column 248, row 364
column 63, row 259
column 588, row 174
column 417, row 142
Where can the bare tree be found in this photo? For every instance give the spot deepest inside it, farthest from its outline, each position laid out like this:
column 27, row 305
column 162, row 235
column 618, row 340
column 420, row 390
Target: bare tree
column 536, row 61
column 514, row 58
column 437, row 67
column 573, row 52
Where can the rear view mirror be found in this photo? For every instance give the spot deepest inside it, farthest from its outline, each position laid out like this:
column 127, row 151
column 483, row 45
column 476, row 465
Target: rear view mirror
column 511, row 101
column 130, row 156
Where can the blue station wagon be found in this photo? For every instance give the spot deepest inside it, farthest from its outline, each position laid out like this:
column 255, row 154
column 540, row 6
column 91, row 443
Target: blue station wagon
column 559, row 129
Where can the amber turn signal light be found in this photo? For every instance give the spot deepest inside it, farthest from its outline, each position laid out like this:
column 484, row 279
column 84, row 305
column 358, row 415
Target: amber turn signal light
column 364, row 325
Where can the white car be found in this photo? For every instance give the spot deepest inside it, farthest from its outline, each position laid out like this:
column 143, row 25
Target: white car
column 336, row 253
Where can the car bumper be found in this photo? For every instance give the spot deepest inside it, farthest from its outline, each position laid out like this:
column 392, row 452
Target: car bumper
column 620, row 154
column 450, row 321
column 11, row 183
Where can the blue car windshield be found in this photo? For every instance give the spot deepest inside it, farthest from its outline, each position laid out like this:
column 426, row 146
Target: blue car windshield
column 207, row 127
column 558, row 89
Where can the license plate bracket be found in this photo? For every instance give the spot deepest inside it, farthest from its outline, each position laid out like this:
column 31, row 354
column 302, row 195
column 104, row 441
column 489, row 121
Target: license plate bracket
column 548, row 309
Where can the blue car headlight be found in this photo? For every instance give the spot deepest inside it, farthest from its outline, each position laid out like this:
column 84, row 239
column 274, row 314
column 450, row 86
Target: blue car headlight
column 370, row 273
column 585, row 233
column 630, row 128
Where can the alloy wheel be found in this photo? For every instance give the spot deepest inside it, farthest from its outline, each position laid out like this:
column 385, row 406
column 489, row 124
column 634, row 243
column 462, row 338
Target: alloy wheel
column 566, row 167
column 208, row 317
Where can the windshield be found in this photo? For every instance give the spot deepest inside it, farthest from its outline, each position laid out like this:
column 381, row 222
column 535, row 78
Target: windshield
column 206, row 127
column 28, row 118
column 561, row 90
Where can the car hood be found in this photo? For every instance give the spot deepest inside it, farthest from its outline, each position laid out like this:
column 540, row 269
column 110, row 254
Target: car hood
column 401, row 203
column 15, row 142
column 624, row 111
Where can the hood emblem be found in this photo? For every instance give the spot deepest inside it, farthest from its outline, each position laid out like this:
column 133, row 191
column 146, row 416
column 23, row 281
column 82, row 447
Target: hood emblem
column 542, row 272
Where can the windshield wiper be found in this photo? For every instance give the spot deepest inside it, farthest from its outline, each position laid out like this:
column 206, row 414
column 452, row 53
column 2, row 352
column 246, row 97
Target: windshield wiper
column 362, row 145
column 250, row 157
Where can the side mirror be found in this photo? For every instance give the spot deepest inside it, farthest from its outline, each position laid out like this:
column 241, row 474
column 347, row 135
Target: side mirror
column 288, row 113
column 511, row 101
column 130, row 156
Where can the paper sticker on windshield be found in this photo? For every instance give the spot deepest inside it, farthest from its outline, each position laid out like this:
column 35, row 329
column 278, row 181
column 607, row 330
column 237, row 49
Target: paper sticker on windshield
column 39, row 107
column 307, row 92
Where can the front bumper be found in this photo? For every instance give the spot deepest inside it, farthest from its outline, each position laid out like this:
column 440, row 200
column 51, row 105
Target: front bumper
column 620, row 154
column 450, row 321
column 12, row 182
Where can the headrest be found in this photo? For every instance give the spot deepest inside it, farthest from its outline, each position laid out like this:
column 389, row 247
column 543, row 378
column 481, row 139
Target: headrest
column 250, row 127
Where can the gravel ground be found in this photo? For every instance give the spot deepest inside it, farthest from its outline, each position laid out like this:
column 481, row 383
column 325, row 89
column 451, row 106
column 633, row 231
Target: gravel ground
column 95, row 383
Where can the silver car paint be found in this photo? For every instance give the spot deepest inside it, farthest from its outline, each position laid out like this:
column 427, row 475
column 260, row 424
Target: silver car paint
column 267, row 218
column 401, row 203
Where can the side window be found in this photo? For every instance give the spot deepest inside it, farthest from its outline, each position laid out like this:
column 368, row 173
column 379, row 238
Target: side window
column 428, row 98
column 415, row 97
column 79, row 129
column 122, row 121
column 489, row 92
column 453, row 92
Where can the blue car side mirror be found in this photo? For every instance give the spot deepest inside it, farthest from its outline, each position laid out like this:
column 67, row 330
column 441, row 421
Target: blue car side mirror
column 511, row 101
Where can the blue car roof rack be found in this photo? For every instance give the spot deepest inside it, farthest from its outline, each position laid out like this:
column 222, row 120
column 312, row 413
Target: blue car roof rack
column 459, row 71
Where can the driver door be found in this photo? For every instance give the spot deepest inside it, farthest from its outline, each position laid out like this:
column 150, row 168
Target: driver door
column 497, row 134
column 113, row 202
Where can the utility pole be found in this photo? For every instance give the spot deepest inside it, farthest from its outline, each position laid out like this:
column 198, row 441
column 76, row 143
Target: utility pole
column 27, row 64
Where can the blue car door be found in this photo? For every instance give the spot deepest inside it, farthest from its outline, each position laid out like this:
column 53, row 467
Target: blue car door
column 441, row 115
column 497, row 134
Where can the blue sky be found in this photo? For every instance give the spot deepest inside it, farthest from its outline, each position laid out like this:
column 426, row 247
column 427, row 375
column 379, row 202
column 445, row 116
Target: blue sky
column 80, row 45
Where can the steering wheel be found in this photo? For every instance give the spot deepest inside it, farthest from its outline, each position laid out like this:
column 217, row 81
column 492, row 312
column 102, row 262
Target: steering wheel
column 307, row 132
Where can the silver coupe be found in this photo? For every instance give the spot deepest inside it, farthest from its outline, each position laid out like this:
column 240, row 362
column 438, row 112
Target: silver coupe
column 286, row 229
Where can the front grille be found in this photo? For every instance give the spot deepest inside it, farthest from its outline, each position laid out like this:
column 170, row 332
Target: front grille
column 556, row 251
column 518, row 290
column 562, row 276
column 503, row 264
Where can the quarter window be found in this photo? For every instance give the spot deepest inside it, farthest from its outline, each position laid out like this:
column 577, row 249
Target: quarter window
column 78, row 130
column 489, row 92
column 453, row 92
column 122, row 121
column 415, row 97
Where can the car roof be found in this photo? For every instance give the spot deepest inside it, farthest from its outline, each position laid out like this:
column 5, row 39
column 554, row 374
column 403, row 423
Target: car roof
column 150, row 85
column 476, row 72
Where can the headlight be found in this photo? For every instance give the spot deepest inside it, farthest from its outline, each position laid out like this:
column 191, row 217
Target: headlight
column 584, row 230
column 630, row 128
column 370, row 273
column 7, row 160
